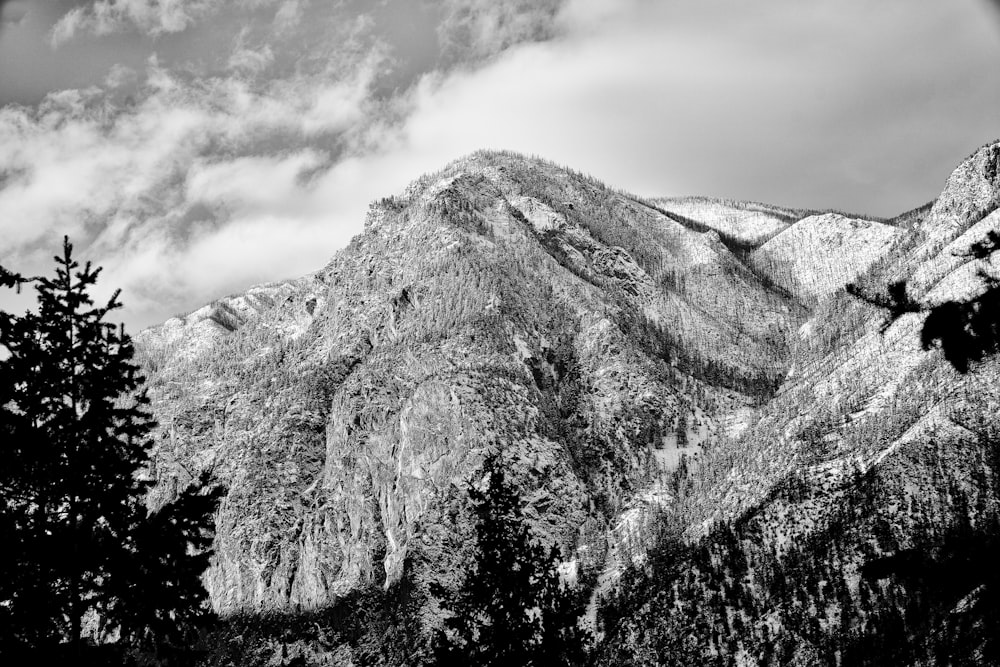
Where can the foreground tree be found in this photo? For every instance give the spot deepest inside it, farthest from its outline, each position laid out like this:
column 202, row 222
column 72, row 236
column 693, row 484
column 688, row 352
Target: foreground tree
column 81, row 548
column 512, row 608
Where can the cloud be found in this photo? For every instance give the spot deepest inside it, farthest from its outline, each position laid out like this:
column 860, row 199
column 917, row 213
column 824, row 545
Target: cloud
column 189, row 181
column 109, row 16
column 812, row 105
column 193, row 160
column 288, row 16
column 152, row 17
column 250, row 60
column 12, row 12
column 254, row 186
column 468, row 29
column 118, row 76
column 477, row 29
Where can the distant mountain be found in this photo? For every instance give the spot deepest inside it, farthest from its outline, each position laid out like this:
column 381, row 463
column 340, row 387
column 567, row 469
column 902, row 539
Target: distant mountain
column 655, row 372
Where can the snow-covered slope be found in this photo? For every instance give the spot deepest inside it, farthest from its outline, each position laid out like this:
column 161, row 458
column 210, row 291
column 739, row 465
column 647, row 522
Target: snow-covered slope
column 822, row 253
column 872, row 447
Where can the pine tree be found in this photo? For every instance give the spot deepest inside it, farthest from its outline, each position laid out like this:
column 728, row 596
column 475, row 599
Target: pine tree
column 512, row 608
column 75, row 432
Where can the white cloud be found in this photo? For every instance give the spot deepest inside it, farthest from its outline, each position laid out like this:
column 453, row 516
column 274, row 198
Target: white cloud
column 152, row 16
column 257, row 186
column 204, row 185
column 192, row 162
column 672, row 98
column 252, row 61
column 13, row 12
column 118, row 76
column 288, row 16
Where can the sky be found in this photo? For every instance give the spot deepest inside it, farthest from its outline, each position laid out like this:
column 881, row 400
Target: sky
column 196, row 147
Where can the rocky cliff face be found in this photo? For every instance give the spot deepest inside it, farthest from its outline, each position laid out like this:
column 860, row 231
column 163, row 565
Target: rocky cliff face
column 632, row 359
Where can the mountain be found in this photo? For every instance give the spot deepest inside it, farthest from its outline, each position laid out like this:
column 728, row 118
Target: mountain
column 501, row 303
column 664, row 378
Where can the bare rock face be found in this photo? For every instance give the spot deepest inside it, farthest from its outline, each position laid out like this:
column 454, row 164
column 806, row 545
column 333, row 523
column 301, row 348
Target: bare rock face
column 501, row 304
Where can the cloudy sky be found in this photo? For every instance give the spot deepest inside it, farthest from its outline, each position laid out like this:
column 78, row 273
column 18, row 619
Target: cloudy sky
column 195, row 147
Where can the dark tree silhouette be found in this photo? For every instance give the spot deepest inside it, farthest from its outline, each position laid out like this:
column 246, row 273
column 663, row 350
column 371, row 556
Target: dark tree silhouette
column 8, row 279
column 80, row 547
column 512, row 608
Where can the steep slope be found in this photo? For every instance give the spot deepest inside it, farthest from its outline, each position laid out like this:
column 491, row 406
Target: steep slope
column 501, row 304
column 872, row 449
column 820, row 254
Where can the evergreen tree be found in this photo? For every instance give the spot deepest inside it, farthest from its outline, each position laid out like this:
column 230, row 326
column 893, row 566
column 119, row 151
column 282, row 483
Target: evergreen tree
column 512, row 608
column 80, row 544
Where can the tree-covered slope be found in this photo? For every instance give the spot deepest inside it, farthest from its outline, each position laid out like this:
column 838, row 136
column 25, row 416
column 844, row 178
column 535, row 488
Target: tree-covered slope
column 852, row 523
